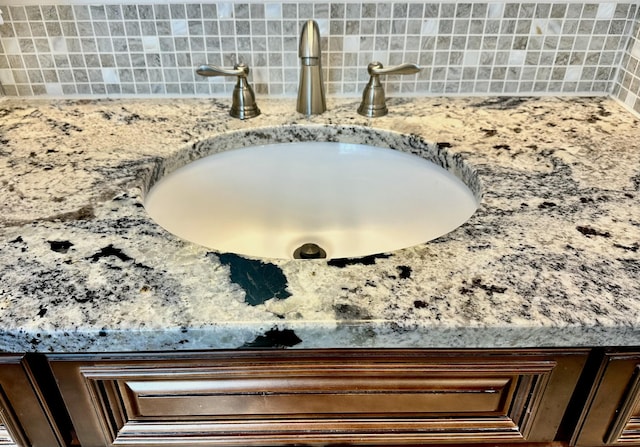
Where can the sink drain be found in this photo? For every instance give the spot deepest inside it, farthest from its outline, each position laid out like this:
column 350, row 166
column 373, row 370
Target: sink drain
column 309, row 251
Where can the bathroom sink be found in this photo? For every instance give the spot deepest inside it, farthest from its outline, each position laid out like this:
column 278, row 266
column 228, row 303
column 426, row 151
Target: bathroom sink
column 345, row 199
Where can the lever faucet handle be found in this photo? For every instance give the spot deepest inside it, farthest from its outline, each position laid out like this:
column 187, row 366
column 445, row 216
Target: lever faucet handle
column 376, row 68
column 243, row 101
column 240, row 70
column 373, row 99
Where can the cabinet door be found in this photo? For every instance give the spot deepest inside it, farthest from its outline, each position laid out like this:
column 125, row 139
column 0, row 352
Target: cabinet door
column 25, row 420
column 317, row 397
column 612, row 413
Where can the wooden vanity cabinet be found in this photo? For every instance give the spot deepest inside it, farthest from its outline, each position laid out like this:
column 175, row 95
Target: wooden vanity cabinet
column 611, row 415
column 25, row 420
column 298, row 397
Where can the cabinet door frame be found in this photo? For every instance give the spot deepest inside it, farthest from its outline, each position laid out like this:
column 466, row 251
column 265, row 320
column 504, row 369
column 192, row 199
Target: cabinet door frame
column 611, row 413
column 97, row 395
column 24, row 413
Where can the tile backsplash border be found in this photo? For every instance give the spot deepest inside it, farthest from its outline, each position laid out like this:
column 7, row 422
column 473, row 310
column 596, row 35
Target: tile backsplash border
column 151, row 47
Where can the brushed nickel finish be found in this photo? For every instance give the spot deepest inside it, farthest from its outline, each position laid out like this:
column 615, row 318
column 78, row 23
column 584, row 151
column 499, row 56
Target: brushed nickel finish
column 311, row 96
column 373, row 99
column 309, row 251
column 243, row 105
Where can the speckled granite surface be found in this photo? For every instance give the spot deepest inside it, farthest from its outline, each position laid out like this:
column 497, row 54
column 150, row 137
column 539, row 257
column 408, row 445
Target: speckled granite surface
column 551, row 258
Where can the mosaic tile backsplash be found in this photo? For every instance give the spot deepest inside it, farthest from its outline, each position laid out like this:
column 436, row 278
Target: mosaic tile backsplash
column 627, row 88
column 464, row 48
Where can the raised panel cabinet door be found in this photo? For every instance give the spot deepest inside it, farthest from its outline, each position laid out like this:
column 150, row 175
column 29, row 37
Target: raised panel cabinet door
column 298, row 397
column 24, row 417
column 612, row 413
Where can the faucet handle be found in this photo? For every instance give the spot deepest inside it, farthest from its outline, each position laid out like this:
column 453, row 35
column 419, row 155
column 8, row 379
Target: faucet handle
column 376, row 68
column 243, row 101
column 240, row 70
column 373, row 100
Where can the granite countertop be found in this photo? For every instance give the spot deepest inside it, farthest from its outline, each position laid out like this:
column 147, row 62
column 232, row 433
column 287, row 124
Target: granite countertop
column 550, row 259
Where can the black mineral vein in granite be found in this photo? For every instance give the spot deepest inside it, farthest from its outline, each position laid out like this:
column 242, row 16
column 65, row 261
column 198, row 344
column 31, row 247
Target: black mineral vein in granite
column 261, row 281
column 419, row 304
column 365, row 260
column 351, row 312
column 476, row 283
column 632, row 248
column 60, row 246
column 274, row 338
column 405, row 271
column 502, row 103
column 635, row 181
column 589, row 231
column 108, row 251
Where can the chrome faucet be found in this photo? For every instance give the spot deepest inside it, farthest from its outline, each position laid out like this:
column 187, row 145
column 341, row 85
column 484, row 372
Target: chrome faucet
column 311, row 99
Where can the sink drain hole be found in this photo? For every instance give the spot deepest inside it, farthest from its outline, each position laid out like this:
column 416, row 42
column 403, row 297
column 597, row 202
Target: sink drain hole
column 309, row 251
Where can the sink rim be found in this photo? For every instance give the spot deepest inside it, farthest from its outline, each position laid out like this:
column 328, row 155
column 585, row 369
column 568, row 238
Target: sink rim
column 440, row 155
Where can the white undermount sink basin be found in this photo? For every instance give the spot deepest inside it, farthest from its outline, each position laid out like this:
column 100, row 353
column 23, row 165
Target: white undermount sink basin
column 349, row 199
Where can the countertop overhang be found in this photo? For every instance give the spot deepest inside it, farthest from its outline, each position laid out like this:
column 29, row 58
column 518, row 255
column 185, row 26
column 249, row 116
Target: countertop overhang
column 551, row 258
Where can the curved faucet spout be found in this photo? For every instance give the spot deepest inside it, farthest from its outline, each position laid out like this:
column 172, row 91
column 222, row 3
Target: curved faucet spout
column 309, row 41
column 311, row 97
